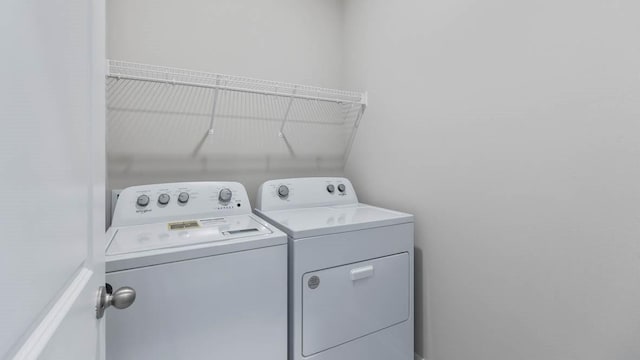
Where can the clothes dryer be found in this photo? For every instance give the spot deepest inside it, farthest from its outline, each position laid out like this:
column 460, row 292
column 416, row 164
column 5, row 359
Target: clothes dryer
column 350, row 271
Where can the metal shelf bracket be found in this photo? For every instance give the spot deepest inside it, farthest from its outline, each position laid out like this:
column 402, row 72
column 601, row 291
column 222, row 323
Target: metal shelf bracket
column 237, row 110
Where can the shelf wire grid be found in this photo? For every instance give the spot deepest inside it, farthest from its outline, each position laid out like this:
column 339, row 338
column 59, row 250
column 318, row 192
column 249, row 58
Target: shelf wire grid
column 157, row 111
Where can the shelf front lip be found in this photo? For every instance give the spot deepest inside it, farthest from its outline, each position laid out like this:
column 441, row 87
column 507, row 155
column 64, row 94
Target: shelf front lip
column 230, row 88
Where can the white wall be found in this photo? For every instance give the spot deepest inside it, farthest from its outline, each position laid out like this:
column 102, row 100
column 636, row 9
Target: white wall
column 298, row 41
column 511, row 129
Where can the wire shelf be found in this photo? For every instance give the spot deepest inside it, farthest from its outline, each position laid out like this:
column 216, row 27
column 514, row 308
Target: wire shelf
column 161, row 111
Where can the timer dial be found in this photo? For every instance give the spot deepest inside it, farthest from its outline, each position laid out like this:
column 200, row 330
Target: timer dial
column 283, row 191
column 225, row 195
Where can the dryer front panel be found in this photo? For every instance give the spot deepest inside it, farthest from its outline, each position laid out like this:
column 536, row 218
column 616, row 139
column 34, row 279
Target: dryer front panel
column 347, row 302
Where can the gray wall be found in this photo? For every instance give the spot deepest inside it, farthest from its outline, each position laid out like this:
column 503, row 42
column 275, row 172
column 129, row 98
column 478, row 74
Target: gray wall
column 511, row 130
column 298, row 41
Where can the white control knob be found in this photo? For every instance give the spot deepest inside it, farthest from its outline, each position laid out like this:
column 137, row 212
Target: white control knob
column 183, row 197
column 341, row 188
column 143, row 200
column 331, row 188
column 163, row 199
column 225, row 195
column 283, row 191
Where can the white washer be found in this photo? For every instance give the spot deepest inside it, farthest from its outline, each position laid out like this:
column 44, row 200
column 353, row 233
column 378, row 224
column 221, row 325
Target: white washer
column 350, row 271
column 210, row 277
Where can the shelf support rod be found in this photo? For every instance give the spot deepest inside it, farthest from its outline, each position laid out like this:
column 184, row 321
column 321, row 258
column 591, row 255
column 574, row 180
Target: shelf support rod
column 209, row 132
column 284, row 121
column 213, row 108
column 286, row 114
column 289, row 147
column 353, row 134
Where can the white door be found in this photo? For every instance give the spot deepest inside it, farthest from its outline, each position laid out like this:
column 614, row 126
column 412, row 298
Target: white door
column 52, row 173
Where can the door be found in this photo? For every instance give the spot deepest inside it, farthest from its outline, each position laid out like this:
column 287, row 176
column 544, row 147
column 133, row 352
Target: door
column 52, row 178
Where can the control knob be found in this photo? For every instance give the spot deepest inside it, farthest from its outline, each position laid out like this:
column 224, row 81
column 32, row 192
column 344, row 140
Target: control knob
column 283, row 191
column 183, row 197
column 143, row 200
column 331, row 188
column 341, row 188
column 225, row 195
column 163, row 199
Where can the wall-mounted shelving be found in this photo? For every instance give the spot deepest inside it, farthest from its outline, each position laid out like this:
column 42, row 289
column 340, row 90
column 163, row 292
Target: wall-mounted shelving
column 161, row 111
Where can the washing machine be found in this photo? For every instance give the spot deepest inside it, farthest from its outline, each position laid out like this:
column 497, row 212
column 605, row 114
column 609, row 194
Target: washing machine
column 350, row 271
column 210, row 277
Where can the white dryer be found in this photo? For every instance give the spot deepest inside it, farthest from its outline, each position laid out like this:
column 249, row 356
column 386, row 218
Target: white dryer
column 210, row 277
column 350, row 271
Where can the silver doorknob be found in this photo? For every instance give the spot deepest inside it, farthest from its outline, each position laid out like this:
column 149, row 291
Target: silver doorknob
column 120, row 299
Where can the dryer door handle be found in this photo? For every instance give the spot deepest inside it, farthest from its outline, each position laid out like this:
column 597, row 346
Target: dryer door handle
column 361, row 272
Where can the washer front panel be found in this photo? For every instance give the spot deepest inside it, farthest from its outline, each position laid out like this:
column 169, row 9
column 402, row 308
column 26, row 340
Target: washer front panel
column 230, row 306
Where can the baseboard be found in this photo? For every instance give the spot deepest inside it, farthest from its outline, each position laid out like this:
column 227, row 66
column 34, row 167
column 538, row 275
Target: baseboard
column 418, row 357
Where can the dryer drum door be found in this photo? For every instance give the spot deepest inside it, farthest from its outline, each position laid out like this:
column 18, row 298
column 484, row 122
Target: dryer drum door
column 347, row 302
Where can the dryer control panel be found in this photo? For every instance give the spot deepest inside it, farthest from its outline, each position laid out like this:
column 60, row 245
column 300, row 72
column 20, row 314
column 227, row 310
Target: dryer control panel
column 186, row 200
column 305, row 192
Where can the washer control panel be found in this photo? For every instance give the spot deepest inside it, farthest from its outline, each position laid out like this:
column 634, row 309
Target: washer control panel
column 159, row 202
column 305, row 192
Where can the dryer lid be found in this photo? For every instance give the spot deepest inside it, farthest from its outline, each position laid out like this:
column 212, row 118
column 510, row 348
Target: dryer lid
column 323, row 220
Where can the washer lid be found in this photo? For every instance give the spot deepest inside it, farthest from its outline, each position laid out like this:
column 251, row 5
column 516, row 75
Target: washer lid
column 173, row 234
column 149, row 244
column 323, row 220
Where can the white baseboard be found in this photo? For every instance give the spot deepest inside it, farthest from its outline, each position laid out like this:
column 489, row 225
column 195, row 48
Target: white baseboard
column 418, row 357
